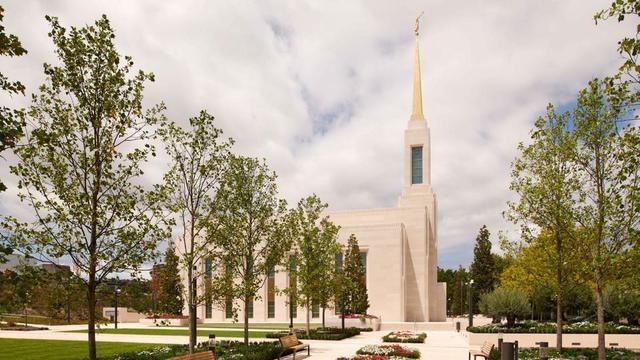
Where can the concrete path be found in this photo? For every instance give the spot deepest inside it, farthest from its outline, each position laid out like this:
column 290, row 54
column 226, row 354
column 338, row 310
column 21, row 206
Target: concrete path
column 440, row 345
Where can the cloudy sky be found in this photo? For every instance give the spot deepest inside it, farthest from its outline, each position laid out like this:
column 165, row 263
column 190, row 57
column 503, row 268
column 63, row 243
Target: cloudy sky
column 322, row 89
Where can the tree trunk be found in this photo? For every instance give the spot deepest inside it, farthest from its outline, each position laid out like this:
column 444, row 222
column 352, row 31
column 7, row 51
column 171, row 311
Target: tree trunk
column 342, row 316
column 91, row 299
column 246, row 321
column 193, row 330
column 323, row 317
column 559, row 322
column 68, row 309
column 600, row 313
column 560, row 293
column 308, row 326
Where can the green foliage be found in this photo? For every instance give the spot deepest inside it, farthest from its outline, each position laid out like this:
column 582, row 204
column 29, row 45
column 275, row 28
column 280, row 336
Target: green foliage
column 448, row 276
column 459, row 301
column 11, row 122
column 623, row 301
column 227, row 350
column 534, row 327
column 198, row 160
column 356, row 299
column 152, row 353
column 135, row 294
column 249, row 233
column 505, row 302
column 79, row 170
column 578, row 354
column 483, row 267
column 170, row 300
column 315, row 245
column 390, row 351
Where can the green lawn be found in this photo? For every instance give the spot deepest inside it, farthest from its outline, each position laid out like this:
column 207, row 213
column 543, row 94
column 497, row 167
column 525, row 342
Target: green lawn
column 283, row 326
column 22, row 349
column 165, row 331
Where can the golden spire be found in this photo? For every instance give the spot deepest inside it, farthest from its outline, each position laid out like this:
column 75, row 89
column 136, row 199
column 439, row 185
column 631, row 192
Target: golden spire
column 416, row 111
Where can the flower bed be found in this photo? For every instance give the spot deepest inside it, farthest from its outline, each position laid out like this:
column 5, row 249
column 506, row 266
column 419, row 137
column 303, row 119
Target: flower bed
column 578, row 354
column 225, row 350
column 389, row 350
column 404, row 337
column 535, row 327
column 372, row 357
column 328, row 333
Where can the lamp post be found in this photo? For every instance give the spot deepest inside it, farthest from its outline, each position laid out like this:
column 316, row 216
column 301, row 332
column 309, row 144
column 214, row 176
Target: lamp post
column 26, row 301
column 117, row 292
column 291, row 315
column 461, row 298
column 470, row 303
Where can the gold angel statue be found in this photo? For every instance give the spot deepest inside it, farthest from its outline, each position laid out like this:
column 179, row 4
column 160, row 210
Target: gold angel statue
column 417, row 29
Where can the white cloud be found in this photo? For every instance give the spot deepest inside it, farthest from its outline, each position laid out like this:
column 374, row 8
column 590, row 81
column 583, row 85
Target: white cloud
column 322, row 89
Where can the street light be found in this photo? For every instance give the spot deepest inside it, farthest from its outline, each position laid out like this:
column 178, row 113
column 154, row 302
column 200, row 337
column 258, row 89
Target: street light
column 470, row 303
column 116, row 317
column 291, row 315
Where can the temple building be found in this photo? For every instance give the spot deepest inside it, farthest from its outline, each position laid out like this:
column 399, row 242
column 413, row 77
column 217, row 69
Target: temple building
column 398, row 245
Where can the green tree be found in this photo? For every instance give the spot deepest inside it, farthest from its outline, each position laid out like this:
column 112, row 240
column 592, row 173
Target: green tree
column 249, row 234
column 199, row 156
column 170, row 300
column 546, row 181
column 459, row 299
column 607, row 156
column 357, row 301
column 448, row 276
column 11, row 122
column 483, row 268
column 505, row 302
column 80, row 167
column 136, row 294
column 622, row 301
column 315, row 244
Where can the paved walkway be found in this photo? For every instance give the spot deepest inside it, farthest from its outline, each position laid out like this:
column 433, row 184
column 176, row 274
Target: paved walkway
column 440, row 345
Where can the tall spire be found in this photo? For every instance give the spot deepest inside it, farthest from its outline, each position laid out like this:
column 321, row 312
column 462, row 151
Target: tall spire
column 416, row 111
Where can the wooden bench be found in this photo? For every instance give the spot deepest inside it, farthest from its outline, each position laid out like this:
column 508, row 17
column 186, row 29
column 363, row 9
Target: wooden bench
column 292, row 342
column 485, row 351
column 204, row 355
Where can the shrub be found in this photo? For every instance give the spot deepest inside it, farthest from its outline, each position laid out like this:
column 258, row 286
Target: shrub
column 328, row 333
column 225, row 350
column 623, row 302
column 550, row 328
column 153, row 353
column 579, row 353
column 505, row 302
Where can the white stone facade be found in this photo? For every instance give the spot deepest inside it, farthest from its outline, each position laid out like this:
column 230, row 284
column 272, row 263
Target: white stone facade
column 400, row 243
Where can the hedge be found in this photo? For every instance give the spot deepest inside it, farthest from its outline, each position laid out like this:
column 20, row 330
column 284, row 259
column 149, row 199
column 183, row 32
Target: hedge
column 332, row 333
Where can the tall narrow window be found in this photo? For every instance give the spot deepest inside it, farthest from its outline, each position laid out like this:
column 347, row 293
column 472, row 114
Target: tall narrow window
column 363, row 262
column 271, row 294
column 416, row 165
column 250, row 308
column 228, row 308
column 293, row 306
column 315, row 310
column 228, row 303
column 339, row 262
column 208, row 306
